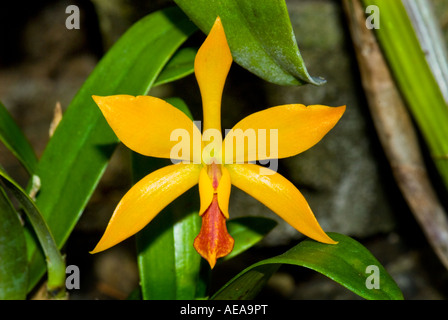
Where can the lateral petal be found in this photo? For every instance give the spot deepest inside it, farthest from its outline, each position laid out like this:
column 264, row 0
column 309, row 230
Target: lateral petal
column 211, row 66
column 279, row 195
column 206, row 190
column 145, row 200
column 298, row 129
column 147, row 125
column 223, row 191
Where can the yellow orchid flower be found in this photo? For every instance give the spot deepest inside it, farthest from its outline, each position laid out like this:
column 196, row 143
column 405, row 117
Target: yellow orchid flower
column 146, row 125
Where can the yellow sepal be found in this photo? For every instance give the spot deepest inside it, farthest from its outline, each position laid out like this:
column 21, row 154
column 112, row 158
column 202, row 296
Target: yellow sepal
column 279, row 195
column 280, row 132
column 145, row 200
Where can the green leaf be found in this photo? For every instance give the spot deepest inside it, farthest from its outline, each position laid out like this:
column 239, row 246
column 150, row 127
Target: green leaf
column 180, row 65
column 78, row 153
column 430, row 35
column 415, row 79
column 259, row 34
column 14, row 139
column 54, row 260
column 13, row 261
column 347, row 263
column 169, row 266
column 247, row 231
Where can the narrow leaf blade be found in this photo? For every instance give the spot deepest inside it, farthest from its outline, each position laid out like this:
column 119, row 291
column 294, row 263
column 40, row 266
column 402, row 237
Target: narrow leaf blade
column 14, row 139
column 13, row 260
column 54, row 260
column 169, row 266
column 347, row 263
column 180, row 65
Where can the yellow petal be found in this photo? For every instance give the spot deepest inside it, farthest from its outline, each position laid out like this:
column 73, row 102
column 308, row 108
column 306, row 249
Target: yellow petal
column 279, row 195
column 206, row 190
column 145, row 200
column 298, row 129
column 224, row 188
column 146, row 124
column 211, row 66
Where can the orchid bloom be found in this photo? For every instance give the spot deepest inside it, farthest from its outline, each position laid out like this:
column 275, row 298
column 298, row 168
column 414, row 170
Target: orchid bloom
column 146, row 124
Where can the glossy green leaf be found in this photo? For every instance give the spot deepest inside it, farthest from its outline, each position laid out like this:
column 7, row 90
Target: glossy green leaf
column 414, row 77
column 259, row 34
column 14, row 139
column 54, row 260
column 78, row 153
column 349, row 263
column 169, row 266
column 180, row 65
column 248, row 231
column 13, row 261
